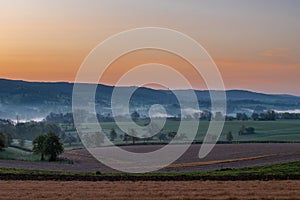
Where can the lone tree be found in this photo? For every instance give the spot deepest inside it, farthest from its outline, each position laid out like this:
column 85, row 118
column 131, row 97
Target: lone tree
column 53, row 146
column 49, row 145
column 229, row 136
column 39, row 146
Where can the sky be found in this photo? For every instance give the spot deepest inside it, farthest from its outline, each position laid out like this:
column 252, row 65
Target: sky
column 255, row 44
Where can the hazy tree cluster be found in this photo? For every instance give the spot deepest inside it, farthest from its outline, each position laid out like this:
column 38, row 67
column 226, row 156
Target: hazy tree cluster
column 242, row 117
column 28, row 130
column 265, row 116
column 105, row 118
column 287, row 115
column 48, row 145
column 205, row 115
column 60, row 118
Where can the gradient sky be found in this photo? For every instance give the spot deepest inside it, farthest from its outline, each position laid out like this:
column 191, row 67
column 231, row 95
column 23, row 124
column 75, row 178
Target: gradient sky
column 256, row 44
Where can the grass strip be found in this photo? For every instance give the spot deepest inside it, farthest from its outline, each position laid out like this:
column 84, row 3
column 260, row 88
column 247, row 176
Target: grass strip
column 284, row 171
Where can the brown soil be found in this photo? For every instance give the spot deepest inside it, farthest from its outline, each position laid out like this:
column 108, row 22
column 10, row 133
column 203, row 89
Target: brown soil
column 150, row 190
column 222, row 156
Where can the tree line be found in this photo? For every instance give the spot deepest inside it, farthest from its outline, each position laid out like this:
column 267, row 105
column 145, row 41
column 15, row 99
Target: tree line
column 205, row 115
column 28, row 130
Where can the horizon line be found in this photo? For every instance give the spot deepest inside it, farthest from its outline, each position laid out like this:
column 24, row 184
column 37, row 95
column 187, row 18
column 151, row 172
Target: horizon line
column 179, row 89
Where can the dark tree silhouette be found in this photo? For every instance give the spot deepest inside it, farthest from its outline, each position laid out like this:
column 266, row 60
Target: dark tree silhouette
column 49, row 145
column 39, row 146
column 53, row 146
column 229, row 136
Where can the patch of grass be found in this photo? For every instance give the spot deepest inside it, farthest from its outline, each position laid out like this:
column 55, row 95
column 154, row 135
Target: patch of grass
column 291, row 168
column 269, row 131
column 40, row 172
column 11, row 153
column 283, row 169
column 280, row 130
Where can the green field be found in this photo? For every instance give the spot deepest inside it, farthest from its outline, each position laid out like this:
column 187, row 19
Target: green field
column 11, row 153
column 267, row 131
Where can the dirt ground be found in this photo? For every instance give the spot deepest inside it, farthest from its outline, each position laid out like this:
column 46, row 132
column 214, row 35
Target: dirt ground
column 240, row 155
column 11, row 190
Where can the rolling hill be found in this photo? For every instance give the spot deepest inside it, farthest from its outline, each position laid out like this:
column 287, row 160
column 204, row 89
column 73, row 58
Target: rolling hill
column 37, row 99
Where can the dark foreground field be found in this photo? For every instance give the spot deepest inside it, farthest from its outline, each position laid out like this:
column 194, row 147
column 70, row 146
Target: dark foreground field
column 11, row 190
column 277, row 181
column 222, row 156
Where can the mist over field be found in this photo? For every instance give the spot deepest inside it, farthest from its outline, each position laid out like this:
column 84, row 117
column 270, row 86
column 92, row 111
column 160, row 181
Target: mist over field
column 34, row 101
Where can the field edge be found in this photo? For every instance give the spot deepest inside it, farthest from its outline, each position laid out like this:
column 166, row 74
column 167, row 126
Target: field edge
column 283, row 171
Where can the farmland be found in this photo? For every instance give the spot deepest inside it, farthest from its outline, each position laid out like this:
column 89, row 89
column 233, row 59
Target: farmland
column 142, row 186
column 244, row 166
column 222, row 156
column 268, row 131
column 11, row 190
column 236, row 155
column 265, row 131
column 283, row 171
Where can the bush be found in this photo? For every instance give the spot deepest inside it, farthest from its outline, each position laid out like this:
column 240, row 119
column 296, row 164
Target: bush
column 98, row 173
column 246, row 130
column 250, row 130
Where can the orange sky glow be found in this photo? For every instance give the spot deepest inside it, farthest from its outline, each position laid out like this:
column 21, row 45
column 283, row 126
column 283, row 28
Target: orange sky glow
column 49, row 41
